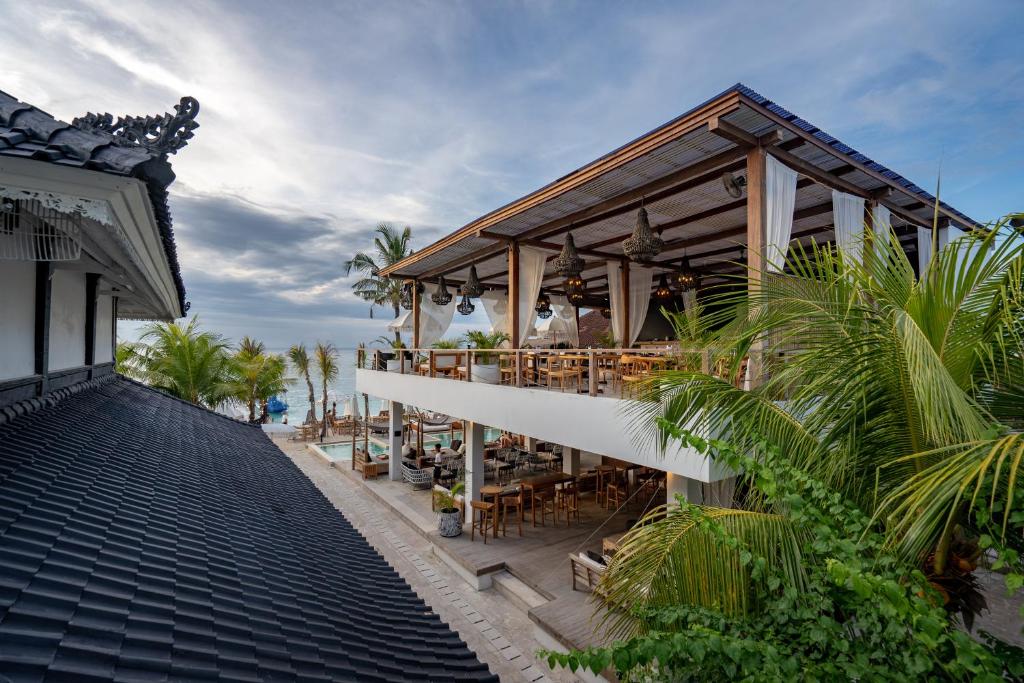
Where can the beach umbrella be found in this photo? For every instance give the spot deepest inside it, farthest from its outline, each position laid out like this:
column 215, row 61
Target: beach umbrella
column 352, row 407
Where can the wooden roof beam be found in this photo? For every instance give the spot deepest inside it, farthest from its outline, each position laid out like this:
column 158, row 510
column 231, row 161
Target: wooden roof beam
column 737, row 135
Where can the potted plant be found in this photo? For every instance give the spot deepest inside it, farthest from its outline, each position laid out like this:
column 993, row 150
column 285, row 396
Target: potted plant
column 393, row 360
column 446, row 361
column 485, row 368
column 449, row 516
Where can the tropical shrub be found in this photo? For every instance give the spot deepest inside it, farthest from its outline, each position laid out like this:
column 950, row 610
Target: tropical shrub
column 486, row 340
column 257, row 375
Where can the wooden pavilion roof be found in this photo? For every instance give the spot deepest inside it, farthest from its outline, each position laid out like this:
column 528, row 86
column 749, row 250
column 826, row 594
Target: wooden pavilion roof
column 676, row 172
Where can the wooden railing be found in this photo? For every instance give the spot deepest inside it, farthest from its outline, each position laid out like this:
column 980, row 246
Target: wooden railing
column 525, row 367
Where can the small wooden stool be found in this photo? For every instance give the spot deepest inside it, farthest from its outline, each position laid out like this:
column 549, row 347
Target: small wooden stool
column 569, row 501
column 544, row 499
column 512, row 505
column 605, row 476
column 615, row 496
column 485, row 521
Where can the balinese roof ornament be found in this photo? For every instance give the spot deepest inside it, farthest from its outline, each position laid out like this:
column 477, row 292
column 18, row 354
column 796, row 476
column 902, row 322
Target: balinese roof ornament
column 441, row 296
column 569, row 262
column 643, row 245
column 164, row 134
column 472, row 287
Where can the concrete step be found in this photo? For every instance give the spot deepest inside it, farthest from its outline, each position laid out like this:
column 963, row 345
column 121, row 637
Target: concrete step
column 516, row 591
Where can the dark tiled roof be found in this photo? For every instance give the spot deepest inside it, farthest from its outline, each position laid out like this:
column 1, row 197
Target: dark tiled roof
column 143, row 538
column 31, row 133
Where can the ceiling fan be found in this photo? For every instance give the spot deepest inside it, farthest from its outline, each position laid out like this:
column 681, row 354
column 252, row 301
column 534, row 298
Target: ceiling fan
column 733, row 184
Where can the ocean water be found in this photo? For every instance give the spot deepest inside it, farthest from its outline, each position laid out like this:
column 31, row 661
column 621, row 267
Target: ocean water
column 340, row 390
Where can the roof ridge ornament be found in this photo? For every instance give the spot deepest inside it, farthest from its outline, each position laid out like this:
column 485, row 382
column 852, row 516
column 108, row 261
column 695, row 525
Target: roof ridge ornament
column 161, row 134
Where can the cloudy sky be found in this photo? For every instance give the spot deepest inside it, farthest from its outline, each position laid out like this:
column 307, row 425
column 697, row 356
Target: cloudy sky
column 320, row 119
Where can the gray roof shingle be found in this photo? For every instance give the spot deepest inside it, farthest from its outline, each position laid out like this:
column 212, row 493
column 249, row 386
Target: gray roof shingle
column 144, row 538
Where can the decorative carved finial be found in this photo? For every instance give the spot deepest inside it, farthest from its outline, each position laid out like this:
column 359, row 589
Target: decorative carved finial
column 164, row 134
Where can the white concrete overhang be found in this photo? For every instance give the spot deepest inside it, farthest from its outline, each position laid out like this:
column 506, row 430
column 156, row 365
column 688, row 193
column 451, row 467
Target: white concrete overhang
column 132, row 237
column 597, row 424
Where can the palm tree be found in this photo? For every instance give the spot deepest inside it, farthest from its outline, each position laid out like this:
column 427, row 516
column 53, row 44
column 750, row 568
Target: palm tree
column 183, row 361
column 299, row 358
column 258, row 375
column 895, row 391
column 326, row 356
column 390, row 246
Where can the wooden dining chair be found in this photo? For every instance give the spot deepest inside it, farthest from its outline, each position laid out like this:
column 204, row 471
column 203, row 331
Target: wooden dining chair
column 483, row 519
column 512, row 505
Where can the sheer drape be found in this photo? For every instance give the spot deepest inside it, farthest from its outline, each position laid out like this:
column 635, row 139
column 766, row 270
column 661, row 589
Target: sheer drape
column 848, row 216
column 615, row 300
column 640, row 280
column 780, row 196
column 561, row 308
column 924, row 250
column 531, row 274
column 882, row 219
column 434, row 321
column 496, row 307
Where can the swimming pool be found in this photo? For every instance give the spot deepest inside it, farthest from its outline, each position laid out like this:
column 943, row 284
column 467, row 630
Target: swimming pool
column 443, row 438
column 343, row 451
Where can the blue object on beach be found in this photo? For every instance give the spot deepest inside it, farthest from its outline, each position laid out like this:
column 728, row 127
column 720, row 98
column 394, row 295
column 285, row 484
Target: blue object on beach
column 276, row 405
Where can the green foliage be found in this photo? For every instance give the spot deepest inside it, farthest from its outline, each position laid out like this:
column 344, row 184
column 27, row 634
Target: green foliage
column 855, row 612
column 390, row 246
column 445, row 500
column 298, row 356
column 607, row 340
column 485, row 340
column 447, row 344
column 884, row 386
column 183, row 361
column 256, row 375
column 326, row 358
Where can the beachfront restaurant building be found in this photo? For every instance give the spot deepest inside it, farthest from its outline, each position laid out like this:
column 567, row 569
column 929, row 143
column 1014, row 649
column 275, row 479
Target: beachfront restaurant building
column 725, row 189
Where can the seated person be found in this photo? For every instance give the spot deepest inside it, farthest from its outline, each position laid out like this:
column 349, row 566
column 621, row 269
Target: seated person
column 438, row 461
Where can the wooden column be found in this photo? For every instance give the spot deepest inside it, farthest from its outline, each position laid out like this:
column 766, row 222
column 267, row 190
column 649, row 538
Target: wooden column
column 415, row 316
column 756, row 242
column 44, row 281
column 624, row 342
column 513, row 295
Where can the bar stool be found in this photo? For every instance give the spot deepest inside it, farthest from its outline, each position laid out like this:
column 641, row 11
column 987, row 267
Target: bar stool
column 605, row 476
column 514, row 505
column 568, row 498
column 615, row 496
column 485, row 521
column 547, row 506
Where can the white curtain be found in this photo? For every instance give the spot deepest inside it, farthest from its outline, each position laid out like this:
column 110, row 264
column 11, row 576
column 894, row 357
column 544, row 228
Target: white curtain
column 640, row 280
column 496, row 307
column 924, row 249
column 780, row 197
column 615, row 300
column 531, row 274
column 882, row 219
column 561, row 308
column 848, row 216
column 434, row 320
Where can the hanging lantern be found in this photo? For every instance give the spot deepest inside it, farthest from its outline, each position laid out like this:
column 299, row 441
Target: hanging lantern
column 574, row 282
column 472, row 288
column 569, row 262
column 576, row 294
column 441, row 297
column 644, row 245
column 407, row 290
column 662, row 292
column 687, row 278
column 543, row 306
column 606, row 313
column 465, row 306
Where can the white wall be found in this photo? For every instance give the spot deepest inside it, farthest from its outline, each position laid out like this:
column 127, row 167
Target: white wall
column 591, row 423
column 17, row 318
column 67, row 320
column 103, row 347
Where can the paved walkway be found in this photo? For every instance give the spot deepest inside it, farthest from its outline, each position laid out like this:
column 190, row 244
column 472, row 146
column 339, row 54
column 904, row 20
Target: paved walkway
column 498, row 631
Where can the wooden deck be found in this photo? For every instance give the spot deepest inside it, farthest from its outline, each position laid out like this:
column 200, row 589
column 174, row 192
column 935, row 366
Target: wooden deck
column 539, row 558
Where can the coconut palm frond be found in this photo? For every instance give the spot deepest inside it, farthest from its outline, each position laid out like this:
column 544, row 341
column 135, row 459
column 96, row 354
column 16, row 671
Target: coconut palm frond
column 682, row 555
